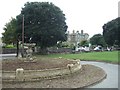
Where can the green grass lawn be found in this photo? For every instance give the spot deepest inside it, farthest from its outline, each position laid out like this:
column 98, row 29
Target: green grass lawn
column 95, row 56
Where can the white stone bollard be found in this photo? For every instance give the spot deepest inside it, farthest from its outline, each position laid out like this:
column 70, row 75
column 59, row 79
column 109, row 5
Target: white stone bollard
column 20, row 74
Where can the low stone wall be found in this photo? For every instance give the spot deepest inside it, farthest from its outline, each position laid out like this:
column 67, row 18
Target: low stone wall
column 59, row 50
column 34, row 75
column 50, row 50
column 11, row 50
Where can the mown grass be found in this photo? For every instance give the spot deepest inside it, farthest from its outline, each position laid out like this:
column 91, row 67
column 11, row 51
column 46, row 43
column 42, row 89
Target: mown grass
column 106, row 56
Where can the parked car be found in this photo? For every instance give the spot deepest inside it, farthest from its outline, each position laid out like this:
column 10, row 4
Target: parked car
column 98, row 48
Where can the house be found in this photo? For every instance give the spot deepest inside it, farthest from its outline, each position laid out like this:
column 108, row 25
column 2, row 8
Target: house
column 77, row 37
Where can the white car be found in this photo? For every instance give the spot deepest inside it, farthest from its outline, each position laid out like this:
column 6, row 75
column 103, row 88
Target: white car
column 98, row 48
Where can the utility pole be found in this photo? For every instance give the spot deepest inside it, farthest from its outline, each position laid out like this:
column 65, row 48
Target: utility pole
column 23, row 36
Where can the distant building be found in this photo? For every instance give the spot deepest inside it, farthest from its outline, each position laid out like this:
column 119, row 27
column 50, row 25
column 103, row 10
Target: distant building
column 1, row 41
column 77, row 37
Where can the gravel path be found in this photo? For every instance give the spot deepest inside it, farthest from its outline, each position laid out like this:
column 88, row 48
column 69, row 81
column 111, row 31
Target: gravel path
column 89, row 74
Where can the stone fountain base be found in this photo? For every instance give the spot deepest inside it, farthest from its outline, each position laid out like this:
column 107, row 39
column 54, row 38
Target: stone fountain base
column 34, row 75
column 86, row 76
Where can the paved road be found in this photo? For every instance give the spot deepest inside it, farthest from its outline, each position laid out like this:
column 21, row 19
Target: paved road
column 7, row 56
column 112, row 74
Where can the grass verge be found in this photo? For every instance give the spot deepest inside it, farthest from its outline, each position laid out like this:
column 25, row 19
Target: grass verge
column 112, row 57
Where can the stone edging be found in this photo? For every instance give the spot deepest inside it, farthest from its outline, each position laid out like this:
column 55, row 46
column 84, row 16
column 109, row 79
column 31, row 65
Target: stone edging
column 34, row 75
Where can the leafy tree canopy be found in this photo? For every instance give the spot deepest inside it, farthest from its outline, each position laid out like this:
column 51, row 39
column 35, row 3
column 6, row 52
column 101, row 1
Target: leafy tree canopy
column 44, row 23
column 9, row 36
column 84, row 43
column 97, row 39
column 111, row 32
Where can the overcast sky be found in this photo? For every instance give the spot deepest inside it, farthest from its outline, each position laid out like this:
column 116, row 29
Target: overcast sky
column 87, row 15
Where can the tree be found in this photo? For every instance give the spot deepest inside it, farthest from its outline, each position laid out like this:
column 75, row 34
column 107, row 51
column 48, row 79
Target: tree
column 111, row 32
column 84, row 43
column 10, row 35
column 44, row 23
column 97, row 39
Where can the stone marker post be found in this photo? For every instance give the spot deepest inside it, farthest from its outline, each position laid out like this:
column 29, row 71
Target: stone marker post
column 20, row 74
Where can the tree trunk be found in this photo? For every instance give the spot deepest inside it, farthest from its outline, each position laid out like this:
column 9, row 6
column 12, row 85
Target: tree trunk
column 17, row 48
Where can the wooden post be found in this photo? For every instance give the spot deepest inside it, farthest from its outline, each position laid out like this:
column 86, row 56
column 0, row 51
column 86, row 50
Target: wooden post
column 23, row 36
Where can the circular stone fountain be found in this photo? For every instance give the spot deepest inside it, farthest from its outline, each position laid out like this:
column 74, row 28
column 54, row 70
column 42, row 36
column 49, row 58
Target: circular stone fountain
column 26, row 74
column 71, row 75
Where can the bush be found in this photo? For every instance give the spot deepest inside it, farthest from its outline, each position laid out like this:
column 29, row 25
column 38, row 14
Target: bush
column 10, row 46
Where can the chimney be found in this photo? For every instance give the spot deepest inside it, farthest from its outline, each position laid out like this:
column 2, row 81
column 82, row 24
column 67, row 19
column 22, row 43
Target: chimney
column 81, row 31
column 77, row 31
